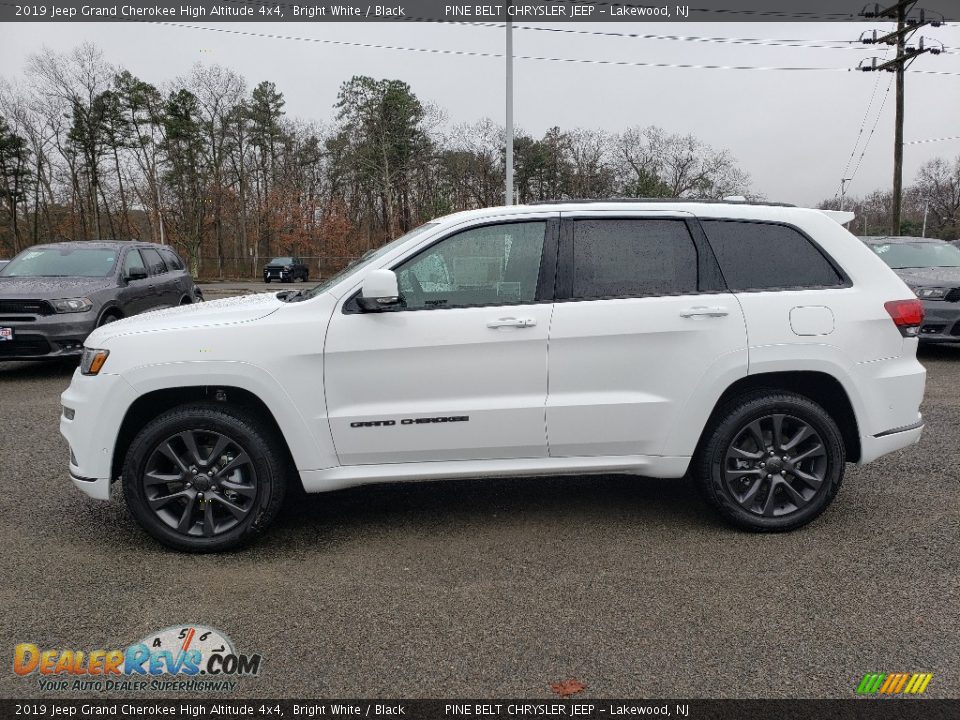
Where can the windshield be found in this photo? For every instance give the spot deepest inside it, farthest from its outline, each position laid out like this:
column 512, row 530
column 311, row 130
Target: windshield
column 918, row 255
column 61, row 262
column 282, row 261
column 361, row 263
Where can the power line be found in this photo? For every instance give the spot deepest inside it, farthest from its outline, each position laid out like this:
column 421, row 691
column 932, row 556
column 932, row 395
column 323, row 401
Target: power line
column 763, row 42
column 873, row 129
column 863, row 126
column 932, row 140
column 483, row 54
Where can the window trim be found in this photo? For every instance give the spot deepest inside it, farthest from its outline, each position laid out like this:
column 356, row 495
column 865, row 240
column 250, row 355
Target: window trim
column 709, row 279
column 845, row 281
column 546, row 281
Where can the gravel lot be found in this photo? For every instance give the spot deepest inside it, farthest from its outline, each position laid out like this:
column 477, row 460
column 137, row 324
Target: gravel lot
column 497, row 588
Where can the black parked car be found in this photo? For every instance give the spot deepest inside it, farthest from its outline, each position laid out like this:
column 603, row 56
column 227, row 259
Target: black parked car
column 53, row 296
column 932, row 270
column 286, row 269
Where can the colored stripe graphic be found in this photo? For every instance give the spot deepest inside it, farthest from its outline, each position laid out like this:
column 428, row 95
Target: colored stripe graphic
column 894, row 683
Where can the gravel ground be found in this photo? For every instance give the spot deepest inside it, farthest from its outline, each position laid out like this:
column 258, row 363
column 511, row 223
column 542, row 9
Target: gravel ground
column 497, row 588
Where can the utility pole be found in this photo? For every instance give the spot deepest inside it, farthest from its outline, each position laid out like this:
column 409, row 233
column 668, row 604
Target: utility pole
column 906, row 27
column 508, row 195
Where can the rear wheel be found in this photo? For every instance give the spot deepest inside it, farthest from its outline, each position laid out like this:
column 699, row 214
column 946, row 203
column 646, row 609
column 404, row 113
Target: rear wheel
column 204, row 478
column 772, row 462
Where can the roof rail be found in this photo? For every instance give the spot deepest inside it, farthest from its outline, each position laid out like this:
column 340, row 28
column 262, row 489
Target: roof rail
column 709, row 201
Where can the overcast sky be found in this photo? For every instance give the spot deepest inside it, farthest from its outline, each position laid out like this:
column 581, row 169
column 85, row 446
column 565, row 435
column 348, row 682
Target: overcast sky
column 792, row 131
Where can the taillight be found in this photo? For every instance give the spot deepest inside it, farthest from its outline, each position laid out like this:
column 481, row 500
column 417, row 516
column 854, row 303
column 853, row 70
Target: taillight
column 907, row 315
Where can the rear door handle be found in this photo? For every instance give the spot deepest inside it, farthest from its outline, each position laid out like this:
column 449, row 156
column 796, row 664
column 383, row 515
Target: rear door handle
column 704, row 311
column 511, row 322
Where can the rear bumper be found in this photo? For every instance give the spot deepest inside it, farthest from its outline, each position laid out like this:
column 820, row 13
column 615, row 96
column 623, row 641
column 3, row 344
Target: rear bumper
column 97, row 488
column 47, row 337
column 888, row 412
column 890, row 441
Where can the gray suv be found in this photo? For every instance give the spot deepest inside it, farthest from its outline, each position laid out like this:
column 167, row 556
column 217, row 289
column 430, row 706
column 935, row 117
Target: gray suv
column 53, row 296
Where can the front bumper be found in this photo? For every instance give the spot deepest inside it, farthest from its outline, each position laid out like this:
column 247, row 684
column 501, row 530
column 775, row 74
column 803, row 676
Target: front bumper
column 277, row 274
column 941, row 322
column 99, row 404
column 47, row 337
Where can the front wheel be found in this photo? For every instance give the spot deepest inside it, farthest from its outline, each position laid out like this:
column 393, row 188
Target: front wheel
column 772, row 462
column 204, row 477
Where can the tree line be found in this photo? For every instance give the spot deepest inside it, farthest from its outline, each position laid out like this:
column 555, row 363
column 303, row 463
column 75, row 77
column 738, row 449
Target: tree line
column 222, row 172
column 931, row 205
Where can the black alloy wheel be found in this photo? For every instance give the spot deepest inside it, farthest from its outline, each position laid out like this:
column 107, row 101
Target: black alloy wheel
column 771, row 461
column 205, row 477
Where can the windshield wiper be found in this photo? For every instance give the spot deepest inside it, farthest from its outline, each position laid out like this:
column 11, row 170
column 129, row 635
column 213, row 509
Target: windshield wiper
column 289, row 295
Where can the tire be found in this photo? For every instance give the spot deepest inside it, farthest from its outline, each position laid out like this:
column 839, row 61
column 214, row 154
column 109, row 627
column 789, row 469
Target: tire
column 248, row 465
column 778, row 495
column 266, row 280
column 107, row 318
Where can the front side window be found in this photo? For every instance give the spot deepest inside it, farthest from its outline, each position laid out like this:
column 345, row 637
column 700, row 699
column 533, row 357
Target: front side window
column 489, row 265
column 172, row 260
column 765, row 256
column 632, row 258
column 154, row 261
column 132, row 261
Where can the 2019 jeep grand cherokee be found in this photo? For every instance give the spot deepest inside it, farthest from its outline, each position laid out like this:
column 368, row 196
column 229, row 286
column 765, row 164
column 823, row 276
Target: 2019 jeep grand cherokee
column 757, row 347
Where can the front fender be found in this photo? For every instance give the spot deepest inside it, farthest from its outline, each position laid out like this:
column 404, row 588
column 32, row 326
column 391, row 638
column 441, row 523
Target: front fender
column 310, row 452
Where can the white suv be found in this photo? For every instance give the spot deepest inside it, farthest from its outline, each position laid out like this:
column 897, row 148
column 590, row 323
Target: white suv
column 756, row 347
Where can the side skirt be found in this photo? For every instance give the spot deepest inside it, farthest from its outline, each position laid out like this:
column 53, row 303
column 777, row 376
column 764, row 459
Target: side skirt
column 315, row 481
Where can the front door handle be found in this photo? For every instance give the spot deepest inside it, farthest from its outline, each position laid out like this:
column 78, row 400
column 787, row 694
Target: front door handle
column 704, row 311
column 511, row 322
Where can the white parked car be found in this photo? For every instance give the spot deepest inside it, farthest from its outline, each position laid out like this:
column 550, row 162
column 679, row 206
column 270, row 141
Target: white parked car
column 756, row 347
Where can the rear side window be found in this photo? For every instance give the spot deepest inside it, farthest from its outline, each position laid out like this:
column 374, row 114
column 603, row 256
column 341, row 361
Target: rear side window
column 172, row 260
column 631, row 258
column 765, row 256
column 153, row 260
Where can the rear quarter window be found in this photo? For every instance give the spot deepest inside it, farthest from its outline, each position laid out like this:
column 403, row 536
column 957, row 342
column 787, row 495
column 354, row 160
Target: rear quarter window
column 768, row 256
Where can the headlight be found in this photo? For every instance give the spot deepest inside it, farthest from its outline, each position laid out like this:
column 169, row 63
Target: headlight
column 288, row 267
column 92, row 360
column 930, row 293
column 71, row 305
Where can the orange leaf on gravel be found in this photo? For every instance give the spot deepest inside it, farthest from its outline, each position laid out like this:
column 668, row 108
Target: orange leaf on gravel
column 566, row 688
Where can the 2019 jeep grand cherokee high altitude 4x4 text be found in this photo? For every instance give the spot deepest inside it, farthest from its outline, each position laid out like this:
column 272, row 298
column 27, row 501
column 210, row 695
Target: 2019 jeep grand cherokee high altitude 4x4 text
column 757, row 347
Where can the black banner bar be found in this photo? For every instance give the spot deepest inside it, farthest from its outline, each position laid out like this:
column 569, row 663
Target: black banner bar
column 646, row 11
column 555, row 709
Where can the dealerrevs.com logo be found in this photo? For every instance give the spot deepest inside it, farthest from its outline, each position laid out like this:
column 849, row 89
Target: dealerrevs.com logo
column 178, row 658
column 894, row 683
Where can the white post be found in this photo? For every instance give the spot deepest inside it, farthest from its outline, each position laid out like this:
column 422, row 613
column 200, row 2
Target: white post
column 926, row 209
column 508, row 195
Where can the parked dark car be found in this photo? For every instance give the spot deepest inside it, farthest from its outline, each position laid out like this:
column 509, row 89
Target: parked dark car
column 932, row 270
column 53, row 296
column 286, row 269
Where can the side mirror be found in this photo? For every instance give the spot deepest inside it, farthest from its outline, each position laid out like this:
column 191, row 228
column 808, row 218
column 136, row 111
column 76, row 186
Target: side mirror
column 379, row 292
column 137, row 274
